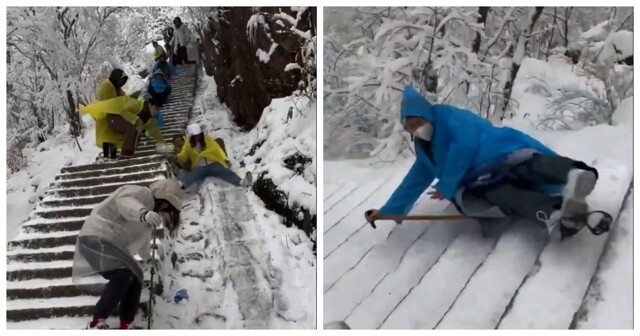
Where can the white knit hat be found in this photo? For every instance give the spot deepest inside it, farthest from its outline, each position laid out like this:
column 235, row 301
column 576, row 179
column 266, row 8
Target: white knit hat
column 193, row 129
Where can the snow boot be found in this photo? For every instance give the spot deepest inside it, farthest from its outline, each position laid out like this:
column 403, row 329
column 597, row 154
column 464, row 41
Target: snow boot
column 98, row 324
column 129, row 325
column 575, row 212
column 247, row 181
column 580, row 184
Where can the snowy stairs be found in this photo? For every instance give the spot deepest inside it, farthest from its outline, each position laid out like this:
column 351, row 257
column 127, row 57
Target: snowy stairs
column 446, row 275
column 40, row 258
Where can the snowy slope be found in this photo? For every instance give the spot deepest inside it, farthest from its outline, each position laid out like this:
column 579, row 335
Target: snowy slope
column 242, row 267
column 446, row 275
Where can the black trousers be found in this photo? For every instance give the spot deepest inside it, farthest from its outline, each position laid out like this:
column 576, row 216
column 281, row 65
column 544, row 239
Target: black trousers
column 180, row 56
column 516, row 196
column 123, row 288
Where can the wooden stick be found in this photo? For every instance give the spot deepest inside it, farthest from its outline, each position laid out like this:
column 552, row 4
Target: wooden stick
column 421, row 217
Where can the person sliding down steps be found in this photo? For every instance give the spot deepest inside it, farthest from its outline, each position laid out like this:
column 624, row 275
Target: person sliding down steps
column 203, row 157
column 491, row 172
column 118, row 228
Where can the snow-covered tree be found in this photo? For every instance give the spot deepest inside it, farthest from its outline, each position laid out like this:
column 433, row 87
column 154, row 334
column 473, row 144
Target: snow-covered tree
column 468, row 57
column 57, row 53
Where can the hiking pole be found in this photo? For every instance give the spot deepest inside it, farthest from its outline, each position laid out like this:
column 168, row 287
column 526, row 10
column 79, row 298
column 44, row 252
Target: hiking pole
column 414, row 217
column 153, row 272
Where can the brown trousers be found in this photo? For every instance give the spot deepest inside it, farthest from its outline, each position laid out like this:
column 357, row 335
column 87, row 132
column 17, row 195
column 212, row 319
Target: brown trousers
column 128, row 130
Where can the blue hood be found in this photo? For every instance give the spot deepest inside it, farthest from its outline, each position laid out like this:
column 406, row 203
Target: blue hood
column 158, row 72
column 415, row 105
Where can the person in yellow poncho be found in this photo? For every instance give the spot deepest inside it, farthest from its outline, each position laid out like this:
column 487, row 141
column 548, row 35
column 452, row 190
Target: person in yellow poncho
column 158, row 51
column 203, row 157
column 110, row 131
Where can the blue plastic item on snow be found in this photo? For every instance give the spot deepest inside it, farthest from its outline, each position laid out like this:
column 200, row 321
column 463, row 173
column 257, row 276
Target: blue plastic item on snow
column 181, row 297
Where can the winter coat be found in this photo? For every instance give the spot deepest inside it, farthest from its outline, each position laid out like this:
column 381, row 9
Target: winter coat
column 128, row 108
column 213, row 153
column 116, row 228
column 181, row 37
column 158, row 51
column 462, row 143
column 118, row 220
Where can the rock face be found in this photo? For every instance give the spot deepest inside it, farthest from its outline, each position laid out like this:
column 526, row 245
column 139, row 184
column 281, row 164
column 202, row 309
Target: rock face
column 247, row 56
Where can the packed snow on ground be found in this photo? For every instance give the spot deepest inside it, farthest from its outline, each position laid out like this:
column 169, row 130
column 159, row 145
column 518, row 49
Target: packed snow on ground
column 45, row 160
column 608, row 145
column 609, row 300
column 287, row 249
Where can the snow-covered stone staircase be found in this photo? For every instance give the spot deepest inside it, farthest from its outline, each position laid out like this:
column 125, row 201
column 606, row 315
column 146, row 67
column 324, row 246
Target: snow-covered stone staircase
column 40, row 258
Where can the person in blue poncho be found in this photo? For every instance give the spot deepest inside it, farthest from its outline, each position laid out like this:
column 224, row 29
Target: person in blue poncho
column 159, row 88
column 166, row 67
column 500, row 166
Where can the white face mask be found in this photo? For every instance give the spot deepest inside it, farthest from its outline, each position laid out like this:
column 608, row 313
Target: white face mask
column 424, row 132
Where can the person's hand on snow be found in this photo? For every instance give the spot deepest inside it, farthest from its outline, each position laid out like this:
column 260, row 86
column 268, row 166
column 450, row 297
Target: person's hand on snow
column 153, row 218
column 372, row 215
column 436, row 195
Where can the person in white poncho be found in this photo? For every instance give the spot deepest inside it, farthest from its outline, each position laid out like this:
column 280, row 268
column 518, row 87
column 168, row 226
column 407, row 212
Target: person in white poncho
column 180, row 40
column 118, row 228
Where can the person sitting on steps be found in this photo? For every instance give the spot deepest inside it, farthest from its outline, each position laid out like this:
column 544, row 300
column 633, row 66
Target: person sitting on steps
column 204, row 157
column 159, row 88
column 118, row 228
column 478, row 163
column 166, row 67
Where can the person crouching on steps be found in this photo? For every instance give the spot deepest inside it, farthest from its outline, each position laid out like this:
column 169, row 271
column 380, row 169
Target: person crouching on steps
column 125, row 118
column 204, row 157
column 117, row 229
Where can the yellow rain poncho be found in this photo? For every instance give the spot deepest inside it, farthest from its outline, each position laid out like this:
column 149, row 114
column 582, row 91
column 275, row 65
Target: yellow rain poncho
column 213, row 153
column 110, row 103
column 158, row 51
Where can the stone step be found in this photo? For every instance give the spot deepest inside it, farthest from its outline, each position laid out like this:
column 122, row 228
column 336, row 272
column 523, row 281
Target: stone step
column 113, row 164
column 40, row 273
column 16, row 315
column 41, row 257
column 44, row 273
column 59, row 240
column 91, row 200
column 63, row 213
column 38, row 243
column 174, row 120
column 157, row 165
column 96, row 190
column 61, row 290
column 54, row 291
column 99, row 180
column 61, row 226
column 175, row 124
